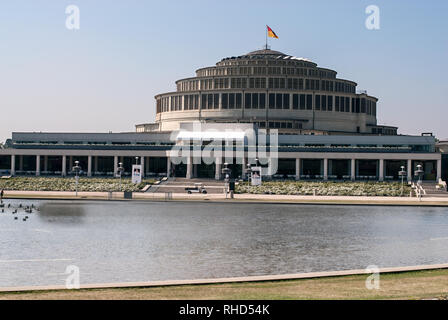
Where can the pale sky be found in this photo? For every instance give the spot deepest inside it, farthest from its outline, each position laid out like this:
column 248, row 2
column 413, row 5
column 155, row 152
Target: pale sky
column 104, row 76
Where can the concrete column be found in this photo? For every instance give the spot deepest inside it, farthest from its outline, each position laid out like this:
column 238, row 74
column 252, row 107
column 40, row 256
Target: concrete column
column 381, row 170
column 115, row 165
column 147, row 164
column 297, row 169
column 409, row 169
column 21, row 163
column 195, row 170
column 13, row 165
column 89, row 166
column 37, row 165
column 168, row 167
column 64, row 166
column 70, row 163
column 218, row 166
column 353, row 170
column 325, row 169
column 95, row 167
column 189, row 174
column 142, row 162
column 45, row 163
column 243, row 172
column 439, row 170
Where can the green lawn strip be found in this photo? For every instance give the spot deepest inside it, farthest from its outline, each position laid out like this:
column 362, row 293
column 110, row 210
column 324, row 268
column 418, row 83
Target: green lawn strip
column 400, row 285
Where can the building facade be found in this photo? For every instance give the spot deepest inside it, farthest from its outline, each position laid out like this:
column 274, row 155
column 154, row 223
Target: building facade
column 443, row 148
column 323, row 130
column 272, row 90
column 307, row 157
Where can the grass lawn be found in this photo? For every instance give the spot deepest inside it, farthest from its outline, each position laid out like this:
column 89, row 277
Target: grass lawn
column 431, row 284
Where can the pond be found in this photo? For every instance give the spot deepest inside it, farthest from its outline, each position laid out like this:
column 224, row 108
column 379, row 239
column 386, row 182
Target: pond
column 145, row 241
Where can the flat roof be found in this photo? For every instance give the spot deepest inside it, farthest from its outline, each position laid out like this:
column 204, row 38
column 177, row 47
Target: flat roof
column 211, row 135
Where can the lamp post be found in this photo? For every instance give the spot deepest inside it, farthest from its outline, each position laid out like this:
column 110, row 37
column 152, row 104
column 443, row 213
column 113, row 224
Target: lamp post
column 77, row 169
column 136, row 160
column 402, row 174
column 226, row 171
column 120, row 171
column 248, row 172
column 419, row 173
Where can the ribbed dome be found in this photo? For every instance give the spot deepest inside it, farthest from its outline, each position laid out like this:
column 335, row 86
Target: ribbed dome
column 266, row 52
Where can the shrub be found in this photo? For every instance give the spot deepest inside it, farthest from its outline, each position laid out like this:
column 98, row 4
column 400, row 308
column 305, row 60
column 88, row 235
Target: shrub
column 325, row 188
column 69, row 184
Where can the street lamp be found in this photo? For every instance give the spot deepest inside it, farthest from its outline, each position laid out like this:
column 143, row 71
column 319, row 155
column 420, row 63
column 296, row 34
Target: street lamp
column 419, row 173
column 136, row 160
column 402, row 174
column 226, row 171
column 76, row 169
column 120, row 171
column 248, row 171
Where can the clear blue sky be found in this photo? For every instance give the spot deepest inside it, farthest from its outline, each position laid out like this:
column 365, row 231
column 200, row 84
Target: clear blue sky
column 105, row 75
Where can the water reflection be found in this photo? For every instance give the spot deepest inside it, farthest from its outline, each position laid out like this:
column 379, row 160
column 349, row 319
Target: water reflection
column 56, row 212
column 142, row 241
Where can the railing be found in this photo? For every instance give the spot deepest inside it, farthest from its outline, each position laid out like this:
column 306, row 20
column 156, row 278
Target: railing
column 418, row 189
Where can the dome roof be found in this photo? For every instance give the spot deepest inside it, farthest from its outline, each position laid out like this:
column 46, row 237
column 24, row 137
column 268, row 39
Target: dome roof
column 266, row 52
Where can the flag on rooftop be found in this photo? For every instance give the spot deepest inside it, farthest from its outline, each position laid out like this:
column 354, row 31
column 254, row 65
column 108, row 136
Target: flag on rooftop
column 271, row 33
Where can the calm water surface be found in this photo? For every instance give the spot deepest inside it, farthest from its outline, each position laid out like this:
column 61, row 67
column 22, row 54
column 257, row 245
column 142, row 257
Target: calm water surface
column 122, row 241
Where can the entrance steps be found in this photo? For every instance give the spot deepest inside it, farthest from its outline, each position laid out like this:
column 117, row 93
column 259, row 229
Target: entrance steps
column 432, row 190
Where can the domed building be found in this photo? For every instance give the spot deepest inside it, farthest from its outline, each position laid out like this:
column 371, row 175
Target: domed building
column 272, row 90
column 321, row 127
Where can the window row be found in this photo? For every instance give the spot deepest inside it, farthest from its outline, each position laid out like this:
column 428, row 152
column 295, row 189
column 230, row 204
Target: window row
column 163, row 104
column 255, row 100
column 259, row 100
column 302, row 101
column 324, row 103
column 231, row 101
column 266, row 70
column 210, row 101
column 363, row 105
column 342, row 104
column 282, row 125
column 261, row 82
column 191, row 102
column 278, row 101
column 254, row 60
column 176, row 103
column 384, row 131
column 279, row 125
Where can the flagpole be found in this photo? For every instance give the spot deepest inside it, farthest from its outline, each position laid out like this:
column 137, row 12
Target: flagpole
column 266, row 38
